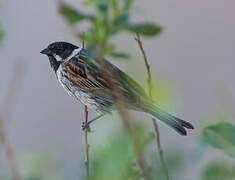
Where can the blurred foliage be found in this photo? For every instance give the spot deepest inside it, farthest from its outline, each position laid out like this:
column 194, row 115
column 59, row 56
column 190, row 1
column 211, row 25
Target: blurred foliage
column 71, row 14
column 221, row 136
column 146, row 29
column 110, row 18
column 162, row 94
column 162, row 90
column 218, row 170
column 1, row 34
column 37, row 166
column 116, row 160
column 174, row 164
column 121, row 55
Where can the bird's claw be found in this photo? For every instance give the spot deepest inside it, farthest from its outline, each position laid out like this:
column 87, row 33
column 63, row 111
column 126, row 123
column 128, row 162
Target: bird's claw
column 86, row 126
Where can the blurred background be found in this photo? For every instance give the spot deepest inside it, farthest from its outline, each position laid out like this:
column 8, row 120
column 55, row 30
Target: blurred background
column 192, row 64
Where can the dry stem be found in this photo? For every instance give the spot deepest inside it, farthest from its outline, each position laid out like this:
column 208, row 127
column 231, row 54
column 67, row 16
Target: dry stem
column 9, row 153
column 85, row 130
column 155, row 125
column 140, row 157
column 86, row 142
column 12, row 92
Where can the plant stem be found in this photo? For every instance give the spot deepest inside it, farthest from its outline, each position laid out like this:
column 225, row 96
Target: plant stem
column 140, row 157
column 117, row 96
column 155, row 125
column 10, row 98
column 9, row 153
column 86, row 142
column 86, row 145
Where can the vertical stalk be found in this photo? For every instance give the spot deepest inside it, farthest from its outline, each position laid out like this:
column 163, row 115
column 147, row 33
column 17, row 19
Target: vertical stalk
column 9, row 153
column 10, row 98
column 86, row 142
column 140, row 157
column 155, row 125
column 86, row 145
column 127, row 125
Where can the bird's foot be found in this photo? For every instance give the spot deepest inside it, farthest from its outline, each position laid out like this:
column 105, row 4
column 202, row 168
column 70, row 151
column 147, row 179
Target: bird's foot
column 86, row 126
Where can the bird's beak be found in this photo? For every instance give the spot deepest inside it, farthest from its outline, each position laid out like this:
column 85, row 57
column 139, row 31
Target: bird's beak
column 46, row 51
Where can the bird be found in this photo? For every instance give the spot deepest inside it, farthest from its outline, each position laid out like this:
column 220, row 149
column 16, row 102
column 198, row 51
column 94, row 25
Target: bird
column 94, row 82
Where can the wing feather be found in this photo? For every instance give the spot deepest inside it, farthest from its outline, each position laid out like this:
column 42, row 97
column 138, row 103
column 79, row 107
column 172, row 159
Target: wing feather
column 87, row 76
column 78, row 72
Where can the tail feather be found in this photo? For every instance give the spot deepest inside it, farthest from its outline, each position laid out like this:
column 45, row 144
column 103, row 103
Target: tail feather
column 178, row 124
column 185, row 123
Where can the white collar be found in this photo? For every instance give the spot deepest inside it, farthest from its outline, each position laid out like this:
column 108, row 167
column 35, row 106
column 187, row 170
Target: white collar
column 74, row 53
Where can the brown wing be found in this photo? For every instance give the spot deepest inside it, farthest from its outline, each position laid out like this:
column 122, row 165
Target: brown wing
column 85, row 77
column 89, row 78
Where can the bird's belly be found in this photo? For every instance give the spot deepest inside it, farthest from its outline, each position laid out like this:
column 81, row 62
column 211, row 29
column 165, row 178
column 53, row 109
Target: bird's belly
column 86, row 99
column 82, row 97
column 74, row 91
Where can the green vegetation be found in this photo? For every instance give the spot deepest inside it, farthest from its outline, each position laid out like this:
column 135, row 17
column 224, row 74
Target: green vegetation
column 219, row 170
column 110, row 18
column 221, row 136
column 1, row 34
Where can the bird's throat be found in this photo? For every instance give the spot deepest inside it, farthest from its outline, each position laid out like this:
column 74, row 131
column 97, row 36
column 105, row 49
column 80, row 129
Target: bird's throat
column 54, row 64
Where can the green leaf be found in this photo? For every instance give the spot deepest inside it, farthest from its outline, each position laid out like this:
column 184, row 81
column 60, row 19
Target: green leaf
column 121, row 20
column 221, row 136
column 174, row 163
column 121, row 55
column 217, row 170
column 114, row 160
column 146, row 29
column 1, row 35
column 127, row 5
column 72, row 15
column 109, row 49
column 102, row 7
column 143, row 135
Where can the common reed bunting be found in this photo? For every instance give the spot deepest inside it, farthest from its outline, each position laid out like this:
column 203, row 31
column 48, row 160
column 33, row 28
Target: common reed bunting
column 83, row 79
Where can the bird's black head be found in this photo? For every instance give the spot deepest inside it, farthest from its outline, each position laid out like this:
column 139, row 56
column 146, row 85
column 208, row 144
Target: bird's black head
column 59, row 52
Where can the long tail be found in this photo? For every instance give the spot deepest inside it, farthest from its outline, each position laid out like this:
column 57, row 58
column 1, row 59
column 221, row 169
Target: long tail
column 178, row 124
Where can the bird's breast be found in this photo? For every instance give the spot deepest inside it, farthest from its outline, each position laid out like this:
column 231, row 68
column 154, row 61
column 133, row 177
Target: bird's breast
column 74, row 91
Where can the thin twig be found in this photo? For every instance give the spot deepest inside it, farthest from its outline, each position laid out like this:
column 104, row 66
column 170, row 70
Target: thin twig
column 12, row 92
column 140, row 157
column 124, row 116
column 9, row 153
column 149, row 81
column 86, row 142
column 83, row 41
column 160, row 151
column 155, row 125
column 86, row 145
